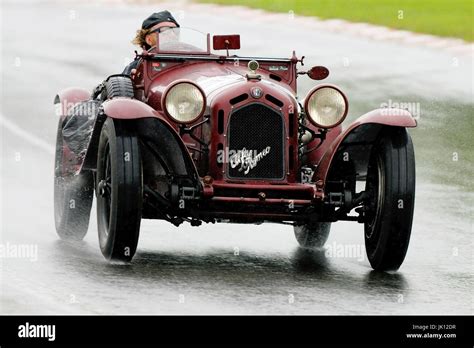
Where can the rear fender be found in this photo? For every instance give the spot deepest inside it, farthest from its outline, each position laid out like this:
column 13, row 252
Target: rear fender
column 355, row 143
column 69, row 97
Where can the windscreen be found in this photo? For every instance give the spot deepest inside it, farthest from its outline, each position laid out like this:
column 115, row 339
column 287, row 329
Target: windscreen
column 182, row 40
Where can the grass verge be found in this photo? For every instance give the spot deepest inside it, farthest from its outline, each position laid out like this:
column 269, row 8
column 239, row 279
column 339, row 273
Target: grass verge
column 449, row 18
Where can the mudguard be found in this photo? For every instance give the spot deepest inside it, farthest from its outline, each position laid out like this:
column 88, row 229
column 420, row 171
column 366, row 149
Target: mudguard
column 360, row 136
column 69, row 97
column 128, row 109
column 152, row 129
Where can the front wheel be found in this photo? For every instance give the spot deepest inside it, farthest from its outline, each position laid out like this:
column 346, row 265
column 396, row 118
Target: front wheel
column 391, row 190
column 119, row 190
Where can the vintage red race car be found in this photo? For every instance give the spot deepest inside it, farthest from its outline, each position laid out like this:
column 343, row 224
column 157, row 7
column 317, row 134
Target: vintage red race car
column 194, row 136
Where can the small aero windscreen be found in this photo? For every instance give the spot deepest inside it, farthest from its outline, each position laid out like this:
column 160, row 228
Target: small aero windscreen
column 182, row 41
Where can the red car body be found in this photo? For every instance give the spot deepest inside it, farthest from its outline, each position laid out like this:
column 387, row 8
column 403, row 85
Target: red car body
column 215, row 191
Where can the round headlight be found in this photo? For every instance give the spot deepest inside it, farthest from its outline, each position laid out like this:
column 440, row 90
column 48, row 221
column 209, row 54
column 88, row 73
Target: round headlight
column 326, row 106
column 184, row 102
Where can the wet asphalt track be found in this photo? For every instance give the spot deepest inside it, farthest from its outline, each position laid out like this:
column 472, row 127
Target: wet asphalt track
column 230, row 268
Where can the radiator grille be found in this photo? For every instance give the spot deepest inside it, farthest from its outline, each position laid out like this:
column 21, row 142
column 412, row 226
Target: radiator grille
column 256, row 140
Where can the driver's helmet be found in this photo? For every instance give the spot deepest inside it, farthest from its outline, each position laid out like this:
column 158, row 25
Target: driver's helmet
column 157, row 18
column 165, row 34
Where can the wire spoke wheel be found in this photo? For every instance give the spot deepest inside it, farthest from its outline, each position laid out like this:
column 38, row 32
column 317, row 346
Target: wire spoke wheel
column 312, row 235
column 376, row 191
column 73, row 194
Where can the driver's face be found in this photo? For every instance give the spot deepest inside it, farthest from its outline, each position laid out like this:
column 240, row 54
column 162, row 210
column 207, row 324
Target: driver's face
column 162, row 28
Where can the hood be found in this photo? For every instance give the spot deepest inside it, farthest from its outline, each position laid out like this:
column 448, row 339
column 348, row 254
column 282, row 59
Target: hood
column 211, row 77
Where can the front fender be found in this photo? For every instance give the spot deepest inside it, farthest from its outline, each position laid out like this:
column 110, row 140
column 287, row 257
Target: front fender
column 117, row 108
column 69, row 97
column 151, row 128
column 360, row 136
column 127, row 109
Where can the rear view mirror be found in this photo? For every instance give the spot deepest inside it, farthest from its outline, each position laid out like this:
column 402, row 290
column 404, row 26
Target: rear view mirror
column 226, row 42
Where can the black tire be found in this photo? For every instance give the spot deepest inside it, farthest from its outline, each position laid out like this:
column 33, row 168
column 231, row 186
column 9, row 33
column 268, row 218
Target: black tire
column 391, row 188
column 312, row 235
column 73, row 195
column 119, row 190
column 118, row 86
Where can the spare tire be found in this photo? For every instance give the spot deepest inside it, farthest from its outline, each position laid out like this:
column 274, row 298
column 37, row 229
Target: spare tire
column 118, row 86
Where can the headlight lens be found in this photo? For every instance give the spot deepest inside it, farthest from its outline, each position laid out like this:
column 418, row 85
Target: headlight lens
column 184, row 102
column 326, row 107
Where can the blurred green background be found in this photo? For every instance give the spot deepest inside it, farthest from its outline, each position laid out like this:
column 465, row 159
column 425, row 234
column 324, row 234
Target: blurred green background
column 452, row 18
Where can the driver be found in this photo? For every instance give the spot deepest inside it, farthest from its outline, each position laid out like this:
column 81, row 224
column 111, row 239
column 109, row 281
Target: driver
column 77, row 130
column 146, row 36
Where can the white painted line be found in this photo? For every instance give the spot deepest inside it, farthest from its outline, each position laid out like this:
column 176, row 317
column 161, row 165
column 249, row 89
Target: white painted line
column 30, row 138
